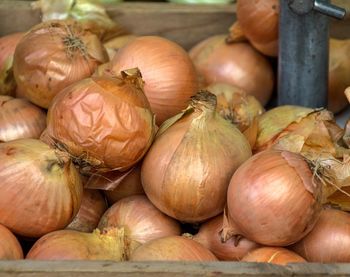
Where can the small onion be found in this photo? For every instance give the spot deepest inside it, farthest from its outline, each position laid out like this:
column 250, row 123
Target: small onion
column 174, row 248
column 112, row 46
column 40, row 188
column 93, row 205
column 273, row 255
column 53, row 55
column 273, row 198
column 329, row 240
column 20, row 119
column 237, row 64
column 10, row 249
column 209, row 236
column 186, row 172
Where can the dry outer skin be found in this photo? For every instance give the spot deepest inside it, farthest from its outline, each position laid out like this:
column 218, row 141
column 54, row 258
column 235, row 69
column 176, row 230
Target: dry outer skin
column 273, row 255
column 10, row 249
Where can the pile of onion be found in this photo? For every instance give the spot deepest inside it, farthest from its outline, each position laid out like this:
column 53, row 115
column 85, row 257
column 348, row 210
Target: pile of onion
column 105, row 123
column 40, row 188
column 20, row 119
column 113, row 45
column 10, row 249
column 186, row 172
column 237, row 64
column 53, row 55
column 273, row 199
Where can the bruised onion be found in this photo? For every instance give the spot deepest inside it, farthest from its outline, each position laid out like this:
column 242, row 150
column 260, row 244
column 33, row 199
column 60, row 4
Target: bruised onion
column 93, row 205
column 53, row 55
column 174, row 248
column 209, row 235
column 105, row 123
column 10, row 249
column 237, row 64
column 20, row 119
column 112, row 46
column 273, row 199
column 40, row 188
column 186, row 172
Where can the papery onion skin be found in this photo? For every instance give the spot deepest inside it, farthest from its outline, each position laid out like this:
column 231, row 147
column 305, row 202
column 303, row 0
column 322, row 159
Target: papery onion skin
column 169, row 74
column 10, row 249
column 209, row 235
column 329, row 240
column 40, row 191
column 20, row 119
column 273, row 255
column 92, row 207
column 186, row 172
column 173, row 248
column 113, row 45
column 53, row 55
column 237, row 64
column 141, row 220
column 274, row 199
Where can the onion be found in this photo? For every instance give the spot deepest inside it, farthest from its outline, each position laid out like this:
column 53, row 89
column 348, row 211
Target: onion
column 237, row 64
column 329, row 240
column 7, row 49
column 20, row 119
column 105, row 123
column 273, row 198
column 74, row 245
column 10, row 249
column 273, row 255
column 170, row 77
column 174, row 248
column 40, row 188
column 188, row 168
column 112, row 46
column 209, row 236
column 53, row 55
column 93, row 205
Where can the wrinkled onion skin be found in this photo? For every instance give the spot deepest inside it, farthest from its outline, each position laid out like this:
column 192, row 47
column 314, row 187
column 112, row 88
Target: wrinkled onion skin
column 20, row 119
column 273, row 199
column 39, row 193
column 273, row 255
column 237, row 64
column 173, row 248
column 143, row 221
column 10, row 249
column 329, row 240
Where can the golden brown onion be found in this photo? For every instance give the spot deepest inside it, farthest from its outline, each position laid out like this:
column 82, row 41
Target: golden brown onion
column 10, row 249
column 53, row 55
column 112, row 46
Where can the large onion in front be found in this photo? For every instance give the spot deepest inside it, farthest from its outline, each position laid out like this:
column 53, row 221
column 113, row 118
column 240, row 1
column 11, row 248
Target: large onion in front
column 10, row 249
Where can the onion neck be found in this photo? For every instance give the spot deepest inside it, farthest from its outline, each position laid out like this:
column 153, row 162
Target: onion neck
column 133, row 76
column 205, row 102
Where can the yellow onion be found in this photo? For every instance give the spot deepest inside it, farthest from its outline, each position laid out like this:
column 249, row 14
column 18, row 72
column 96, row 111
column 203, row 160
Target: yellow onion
column 273, row 199
column 237, row 64
column 10, row 249
column 7, row 49
column 113, row 45
column 20, row 119
column 188, row 168
column 173, row 248
column 169, row 75
column 273, row 255
column 40, row 188
column 329, row 240
column 93, row 205
column 53, row 55
column 209, row 235
column 74, row 245
column 105, row 123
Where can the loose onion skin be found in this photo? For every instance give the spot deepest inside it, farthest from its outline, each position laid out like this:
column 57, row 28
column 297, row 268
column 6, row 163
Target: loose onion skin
column 40, row 189
column 173, row 248
column 273, row 255
column 141, row 220
column 20, row 119
column 209, row 236
column 273, row 198
column 93, row 205
column 53, row 55
column 10, row 249
column 112, row 46
column 186, row 172
column 237, row 64
column 329, row 240
column 169, row 75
